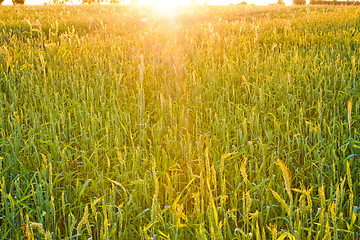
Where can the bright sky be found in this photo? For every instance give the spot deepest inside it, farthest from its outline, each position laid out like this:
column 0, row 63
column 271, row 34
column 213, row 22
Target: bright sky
column 160, row 3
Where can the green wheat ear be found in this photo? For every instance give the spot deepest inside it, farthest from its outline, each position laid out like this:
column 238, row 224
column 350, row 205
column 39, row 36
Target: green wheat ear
column 349, row 108
column 281, row 201
column 287, row 177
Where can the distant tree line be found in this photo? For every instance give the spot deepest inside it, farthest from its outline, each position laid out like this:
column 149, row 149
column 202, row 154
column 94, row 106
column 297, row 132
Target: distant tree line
column 334, row 2
column 15, row 2
column 89, row 1
column 20, row 2
column 326, row 2
column 299, row 2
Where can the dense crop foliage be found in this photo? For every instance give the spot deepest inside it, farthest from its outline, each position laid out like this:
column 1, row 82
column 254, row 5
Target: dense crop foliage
column 217, row 123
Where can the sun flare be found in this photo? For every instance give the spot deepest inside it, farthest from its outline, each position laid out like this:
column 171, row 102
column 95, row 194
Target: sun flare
column 167, row 3
column 165, row 8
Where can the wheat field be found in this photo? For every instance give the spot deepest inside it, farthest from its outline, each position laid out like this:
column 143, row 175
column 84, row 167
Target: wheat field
column 238, row 122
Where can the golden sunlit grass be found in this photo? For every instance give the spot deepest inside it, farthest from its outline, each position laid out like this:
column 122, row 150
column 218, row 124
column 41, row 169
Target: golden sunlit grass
column 210, row 123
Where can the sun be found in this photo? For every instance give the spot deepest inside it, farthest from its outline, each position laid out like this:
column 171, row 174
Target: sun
column 165, row 3
column 172, row 3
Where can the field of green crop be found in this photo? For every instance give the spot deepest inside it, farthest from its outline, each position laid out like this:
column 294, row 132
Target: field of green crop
column 236, row 122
